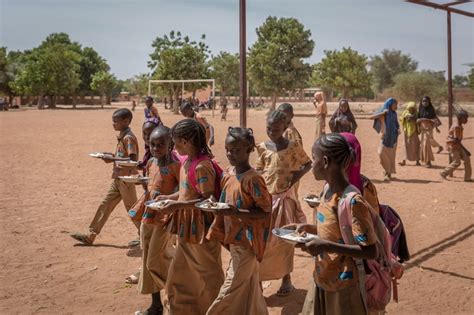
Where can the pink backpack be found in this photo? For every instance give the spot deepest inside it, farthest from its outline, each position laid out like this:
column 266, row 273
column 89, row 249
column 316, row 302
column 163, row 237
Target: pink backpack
column 383, row 271
column 192, row 174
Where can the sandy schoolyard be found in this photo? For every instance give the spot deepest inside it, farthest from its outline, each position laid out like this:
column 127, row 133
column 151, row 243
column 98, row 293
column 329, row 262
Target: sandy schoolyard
column 49, row 186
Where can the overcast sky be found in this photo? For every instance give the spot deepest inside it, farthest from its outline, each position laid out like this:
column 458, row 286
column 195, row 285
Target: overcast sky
column 122, row 30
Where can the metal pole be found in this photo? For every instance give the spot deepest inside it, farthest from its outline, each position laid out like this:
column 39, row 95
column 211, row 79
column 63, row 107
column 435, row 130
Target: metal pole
column 243, row 65
column 450, row 82
column 213, row 97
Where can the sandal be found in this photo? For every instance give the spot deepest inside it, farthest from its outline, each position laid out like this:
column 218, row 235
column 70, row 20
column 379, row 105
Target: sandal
column 133, row 279
column 285, row 291
column 83, row 238
column 134, row 243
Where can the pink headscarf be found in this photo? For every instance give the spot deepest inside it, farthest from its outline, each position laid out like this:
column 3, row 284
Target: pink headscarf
column 353, row 171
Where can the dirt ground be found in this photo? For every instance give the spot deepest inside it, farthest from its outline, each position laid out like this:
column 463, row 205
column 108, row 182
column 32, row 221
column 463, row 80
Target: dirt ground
column 49, row 187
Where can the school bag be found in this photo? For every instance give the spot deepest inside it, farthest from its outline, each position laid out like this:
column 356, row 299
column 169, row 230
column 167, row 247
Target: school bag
column 192, row 174
column 394, row 225
column 376, row 276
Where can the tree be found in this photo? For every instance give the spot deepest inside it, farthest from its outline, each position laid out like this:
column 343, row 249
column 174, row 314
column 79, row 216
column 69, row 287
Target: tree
column 413, row 86
column 344, row 71
column 225, row 70
column 91, row 63
column 50, row 70
column 460, row 81
column 138, row 85
column 385, row 67
column 178, row 58
column 276, row 58
column 471, row 79
column 103, row 82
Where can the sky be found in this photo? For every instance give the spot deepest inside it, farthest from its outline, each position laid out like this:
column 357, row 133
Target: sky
column 122, row 30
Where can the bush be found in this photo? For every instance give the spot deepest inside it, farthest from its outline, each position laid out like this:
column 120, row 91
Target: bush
column 413, row 86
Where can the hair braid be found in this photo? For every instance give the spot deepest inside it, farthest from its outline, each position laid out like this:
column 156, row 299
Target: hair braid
column 191, row 130
column 336, row 148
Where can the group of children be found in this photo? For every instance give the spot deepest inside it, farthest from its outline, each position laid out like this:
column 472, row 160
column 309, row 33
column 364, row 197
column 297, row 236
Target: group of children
column 181, row 244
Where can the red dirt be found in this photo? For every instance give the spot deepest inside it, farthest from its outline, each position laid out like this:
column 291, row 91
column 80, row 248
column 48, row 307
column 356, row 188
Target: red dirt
column 49, row 187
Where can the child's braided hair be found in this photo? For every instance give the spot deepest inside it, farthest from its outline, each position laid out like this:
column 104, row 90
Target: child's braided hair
column 460, row 113
column 191, row 130
column 240, row 133
column 335, row 146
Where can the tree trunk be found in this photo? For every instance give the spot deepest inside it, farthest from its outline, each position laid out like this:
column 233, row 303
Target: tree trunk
column 109, row 99
column 74, row 101
column 102, row 99
column 274, row 101
column 10, row 100
column 176, row 104
column 54, row 100
column 40, row 102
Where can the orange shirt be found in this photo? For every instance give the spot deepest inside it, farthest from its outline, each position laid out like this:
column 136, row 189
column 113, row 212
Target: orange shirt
column 455, row 133
column 244, row 191
column 192, row 225
column 127, row 145
column 334, row 271
column 164, row 180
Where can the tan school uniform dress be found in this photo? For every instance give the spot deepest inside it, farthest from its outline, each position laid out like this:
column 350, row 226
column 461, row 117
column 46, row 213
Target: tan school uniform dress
column 195, row 275
column 246, row 240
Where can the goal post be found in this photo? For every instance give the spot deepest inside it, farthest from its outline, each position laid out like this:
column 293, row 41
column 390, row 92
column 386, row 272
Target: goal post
column 212, row 81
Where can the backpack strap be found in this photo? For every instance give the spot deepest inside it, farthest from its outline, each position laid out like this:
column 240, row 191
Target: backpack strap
column 344, row 215
column 192, row 171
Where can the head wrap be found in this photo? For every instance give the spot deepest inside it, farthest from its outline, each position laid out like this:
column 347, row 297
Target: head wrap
column 391, row 124
column 353, row 171
column 427, row 112
column 347, row 115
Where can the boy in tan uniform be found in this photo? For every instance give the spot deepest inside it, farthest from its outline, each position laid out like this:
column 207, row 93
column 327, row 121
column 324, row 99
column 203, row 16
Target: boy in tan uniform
column 127, row 148
column 457, row 151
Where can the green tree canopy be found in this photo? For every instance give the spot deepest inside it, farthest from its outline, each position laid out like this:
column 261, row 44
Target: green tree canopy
column 386, row 66
column 344, row 71
column 460, row 81
column 412, row 86
column 276, row 59
column 178, row 58
column 138, row 85
column 225, row 70
column 51, row 70
column 103, row 82
column 91, row 63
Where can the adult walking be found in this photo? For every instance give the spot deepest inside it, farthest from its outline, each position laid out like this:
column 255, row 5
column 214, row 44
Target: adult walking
column 386, row 124
column 321, row 112
column 427, row 121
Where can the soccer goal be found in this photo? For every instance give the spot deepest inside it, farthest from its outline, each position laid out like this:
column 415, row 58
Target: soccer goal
column 183, row 82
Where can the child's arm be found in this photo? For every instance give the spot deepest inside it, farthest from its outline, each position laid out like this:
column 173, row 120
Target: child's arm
column 298, row 174
column 211, row 140
column 318, row 245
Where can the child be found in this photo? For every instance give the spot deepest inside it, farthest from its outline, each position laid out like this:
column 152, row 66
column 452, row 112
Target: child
column 244, row 233
column 282, row 163
column 343, row 120
column 291, row 133
column 386, row 123
column 127, row 148
column 457, row 151
column 188, row 112
column 195, row 275
column 150, row 110
column 134, row 104
column 224, row 109
column 321, row 112
column 336, row 288
column 427, row 121
column 156, row 242
column 148, row 126
column 410, row 130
